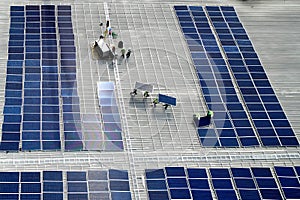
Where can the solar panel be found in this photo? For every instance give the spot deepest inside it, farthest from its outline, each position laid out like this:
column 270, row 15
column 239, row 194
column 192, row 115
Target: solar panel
column 167, row 99
column 110, row 115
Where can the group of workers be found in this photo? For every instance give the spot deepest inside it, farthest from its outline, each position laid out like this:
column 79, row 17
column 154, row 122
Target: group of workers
column 106, row 32
column 145, row 95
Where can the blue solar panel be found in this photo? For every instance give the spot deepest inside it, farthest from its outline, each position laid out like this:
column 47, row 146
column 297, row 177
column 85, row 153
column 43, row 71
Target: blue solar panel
column 199, row 184
column 31, row 188
column 53, row 186
column 119, row 185
column 177, row 182
column 9, row 176
column 77, row 187
column 175, row 171
column 78, row 196
column 155, row 174
column 201, row 194
column 219, row 173
column 156, row 184
column 51, row 196
column 180, row 194
column 153, row 195
column 226, row 194
column 249, row 194
column 244, row 183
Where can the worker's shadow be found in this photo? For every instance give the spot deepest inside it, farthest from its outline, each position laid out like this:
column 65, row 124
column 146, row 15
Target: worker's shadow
column 156, row 112
column 139, row 102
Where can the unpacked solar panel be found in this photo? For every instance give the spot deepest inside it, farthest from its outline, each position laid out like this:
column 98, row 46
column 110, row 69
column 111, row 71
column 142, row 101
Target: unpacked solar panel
column 110, row 116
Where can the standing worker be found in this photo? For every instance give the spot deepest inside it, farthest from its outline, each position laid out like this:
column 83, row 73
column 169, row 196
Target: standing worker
column 134, row 92
column 123, row 52
column 155, row 101
column 102, row 27
column 210, row 114
column 146, row 94
column 128, row 53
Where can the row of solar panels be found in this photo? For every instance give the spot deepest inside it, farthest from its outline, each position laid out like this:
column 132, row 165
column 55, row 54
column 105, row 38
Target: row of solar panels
column 49, row 185
column 162, row 184
column 40, row 82
column 253, row 183
column 255, row 118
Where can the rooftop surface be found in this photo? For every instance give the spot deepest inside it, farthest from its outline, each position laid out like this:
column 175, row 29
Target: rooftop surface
column 154, row 137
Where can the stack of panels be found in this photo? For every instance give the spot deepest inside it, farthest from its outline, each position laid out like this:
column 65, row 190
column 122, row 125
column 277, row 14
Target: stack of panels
column 70, row 98
column 224, row 183
column 14, row 81
column 232, row 127
column 289, row 179
column 110, row 116
column 269, row 119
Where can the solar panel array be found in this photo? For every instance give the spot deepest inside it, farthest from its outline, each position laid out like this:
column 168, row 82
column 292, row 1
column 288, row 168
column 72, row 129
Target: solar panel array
column 41, row 82
column 222, row 183
column 48, row 185
column 269, row 119
column 210, row 33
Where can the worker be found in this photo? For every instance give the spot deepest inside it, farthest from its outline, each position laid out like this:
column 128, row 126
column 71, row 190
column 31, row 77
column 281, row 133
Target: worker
column 95, row 44
column 134, row 92
column 166, row 106
column 105, row 33
column 128, row 53
column 155, row 101
column 114, row 35
column 146, row 94
column 123, row 50
column 102, row 28
column 210, row 114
